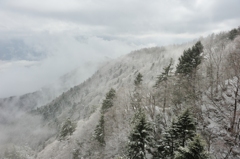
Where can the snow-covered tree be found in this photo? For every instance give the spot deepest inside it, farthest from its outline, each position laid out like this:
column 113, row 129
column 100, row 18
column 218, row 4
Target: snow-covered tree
column 99, row 131
column 187, row 71
column 185, row 127
column 233, row 33
column 111, row 94
column 67, row 129
column 136, row 97
column 181, row 130
column 233, row 61
column 194, row 150
column 138, row 80
column 163, row 79
column 164, row 76
column 76, row 154
column 214, row 51
column 140, row 138
column 190, row 59
column 108, row 101
column 168, row 144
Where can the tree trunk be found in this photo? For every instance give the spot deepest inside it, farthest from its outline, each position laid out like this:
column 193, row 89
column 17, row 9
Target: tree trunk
column 211, row 80
column 235, row 110
column 217, row 81
column 165, row 96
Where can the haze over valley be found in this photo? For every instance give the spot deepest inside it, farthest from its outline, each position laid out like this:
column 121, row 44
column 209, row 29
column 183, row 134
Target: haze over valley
column 119, row 79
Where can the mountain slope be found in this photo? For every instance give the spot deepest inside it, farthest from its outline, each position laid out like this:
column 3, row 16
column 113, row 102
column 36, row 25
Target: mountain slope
column 82, row 103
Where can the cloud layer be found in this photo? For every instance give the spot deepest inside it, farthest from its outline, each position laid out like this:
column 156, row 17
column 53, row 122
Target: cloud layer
column 54, row 37
column 63, row 54
column 120, row 18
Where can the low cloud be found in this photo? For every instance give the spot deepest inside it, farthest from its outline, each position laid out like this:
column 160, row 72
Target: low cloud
column 63, row 54
column 61, row 36
column 114, row 18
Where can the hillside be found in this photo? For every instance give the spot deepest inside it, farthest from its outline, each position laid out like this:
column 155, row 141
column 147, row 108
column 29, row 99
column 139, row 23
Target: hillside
column 82, row 102
column 215, row 81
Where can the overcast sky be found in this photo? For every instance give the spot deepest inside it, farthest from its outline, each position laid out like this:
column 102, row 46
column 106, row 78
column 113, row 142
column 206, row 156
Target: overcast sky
column 48, row 38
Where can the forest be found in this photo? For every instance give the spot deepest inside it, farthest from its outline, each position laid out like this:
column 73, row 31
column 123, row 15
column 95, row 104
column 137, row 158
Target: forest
column 178, row 102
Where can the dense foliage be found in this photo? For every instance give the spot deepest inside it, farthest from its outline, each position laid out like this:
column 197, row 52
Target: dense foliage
column 99, row 133
column 164, row 76
column 180, row 131
column 190, row 59
column 68, row 128
column 138, row 80
column 140, row 138
column 194, row 150
column 108, row 101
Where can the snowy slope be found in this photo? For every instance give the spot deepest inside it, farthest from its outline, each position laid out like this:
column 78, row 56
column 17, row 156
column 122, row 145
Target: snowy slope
column 82, row 104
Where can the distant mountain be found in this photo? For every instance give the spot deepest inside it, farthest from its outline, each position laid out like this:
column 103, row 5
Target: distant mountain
column 214, row 104
column 16, row 49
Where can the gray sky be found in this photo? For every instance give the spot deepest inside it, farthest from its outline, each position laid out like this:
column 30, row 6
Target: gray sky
column 47, row 38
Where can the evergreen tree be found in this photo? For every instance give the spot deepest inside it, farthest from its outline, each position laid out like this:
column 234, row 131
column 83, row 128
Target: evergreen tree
column 185, row 127
column 99, row 131
column 164, row 78
column 76, row 154
column 165, row 74
column 194, row 150
column 136, row 97
column 138, row 80
column 137, row 116
column 67, row 129
column 190, row 59
column 140, row 138
column 181, row 130
column 168, row 144
column 187, row 69
column 108, row 101
column 111, row 94
column 178, row 96
column 233, row 33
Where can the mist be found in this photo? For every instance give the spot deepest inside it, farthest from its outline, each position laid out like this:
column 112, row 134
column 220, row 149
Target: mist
column 41, row 41
column 62, row 54
column 48, row 47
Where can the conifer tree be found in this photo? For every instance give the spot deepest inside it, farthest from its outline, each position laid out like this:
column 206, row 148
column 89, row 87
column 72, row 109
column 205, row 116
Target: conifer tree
column 99, row 131
column 136, row 97
column 164, row 78
column 181, row 130
column 194, row 150
column 187, row 70
column 190, row 59
column 136, row 117
column 138, row 80
column 108, row 101
column 111, row 94
column 165, row 74
column 67, row 129
column 76, row 154
column 185, row 127
column 168, row 144
column 140, row 138
column 233, row 33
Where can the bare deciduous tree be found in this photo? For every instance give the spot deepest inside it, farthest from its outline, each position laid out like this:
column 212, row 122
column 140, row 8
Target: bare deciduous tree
column 233, row 61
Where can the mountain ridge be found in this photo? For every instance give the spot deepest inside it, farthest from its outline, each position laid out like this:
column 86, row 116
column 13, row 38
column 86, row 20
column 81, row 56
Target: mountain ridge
column 82, row 103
